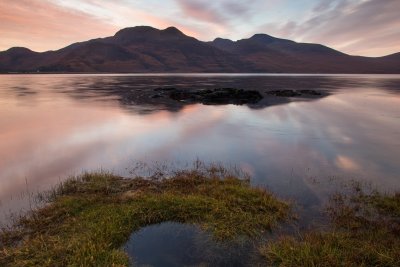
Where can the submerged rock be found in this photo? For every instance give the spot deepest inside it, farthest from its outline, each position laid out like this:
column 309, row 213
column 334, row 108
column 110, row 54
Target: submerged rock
column 163, row 89
column 156, row 96
column 310, row 92
column 217, row 96
column 294, row 93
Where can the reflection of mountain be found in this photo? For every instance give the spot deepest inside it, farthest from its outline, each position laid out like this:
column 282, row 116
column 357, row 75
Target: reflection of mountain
column 146, row 49
column 142, row 94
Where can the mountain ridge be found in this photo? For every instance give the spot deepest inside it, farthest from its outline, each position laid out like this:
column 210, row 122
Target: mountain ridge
column 147, row 49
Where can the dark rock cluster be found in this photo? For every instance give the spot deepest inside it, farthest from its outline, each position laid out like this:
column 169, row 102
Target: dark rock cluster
column 216, row 96
column 294, row 93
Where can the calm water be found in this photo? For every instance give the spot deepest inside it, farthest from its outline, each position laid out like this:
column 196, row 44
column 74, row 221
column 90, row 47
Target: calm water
column 52, row 126
column 174, row 244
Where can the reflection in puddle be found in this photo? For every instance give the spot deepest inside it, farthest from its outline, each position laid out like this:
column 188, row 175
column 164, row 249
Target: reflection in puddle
column 176, row 244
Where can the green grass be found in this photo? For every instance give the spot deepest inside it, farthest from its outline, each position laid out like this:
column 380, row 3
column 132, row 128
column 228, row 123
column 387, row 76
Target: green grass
column 88, row 218
column 365, row 231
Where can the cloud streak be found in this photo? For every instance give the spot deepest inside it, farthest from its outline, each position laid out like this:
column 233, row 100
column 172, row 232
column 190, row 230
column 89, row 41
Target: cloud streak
column 369, row 27
column 364, row 27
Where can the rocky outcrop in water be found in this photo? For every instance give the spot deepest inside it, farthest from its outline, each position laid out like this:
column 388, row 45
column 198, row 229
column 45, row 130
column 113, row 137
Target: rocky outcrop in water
column 294, row 93
column 218, row 96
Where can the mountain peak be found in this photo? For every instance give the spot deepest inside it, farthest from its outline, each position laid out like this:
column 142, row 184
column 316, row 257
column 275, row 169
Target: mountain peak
column 135, row 30
column 223, row 44
column 135, row 34
column 267, row 39
column 218, row 39
column 173, row 31
column 263, row 38
column 145, row 34
column 19, row 50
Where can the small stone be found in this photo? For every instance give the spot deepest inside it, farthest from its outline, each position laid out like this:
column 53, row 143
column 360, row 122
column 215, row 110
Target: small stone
column 156, row 96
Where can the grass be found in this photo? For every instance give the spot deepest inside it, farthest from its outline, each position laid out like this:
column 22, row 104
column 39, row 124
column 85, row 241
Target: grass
column 88, row 218
column 365, row 231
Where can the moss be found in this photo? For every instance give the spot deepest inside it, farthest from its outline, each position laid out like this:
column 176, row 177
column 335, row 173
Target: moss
column 91, row 216
column 365, row 231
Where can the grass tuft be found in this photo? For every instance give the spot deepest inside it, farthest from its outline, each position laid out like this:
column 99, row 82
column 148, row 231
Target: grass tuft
column 365, row 231
column 88, row 218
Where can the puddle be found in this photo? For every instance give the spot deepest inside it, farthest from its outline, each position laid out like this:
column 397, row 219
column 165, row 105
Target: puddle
column 176, row 244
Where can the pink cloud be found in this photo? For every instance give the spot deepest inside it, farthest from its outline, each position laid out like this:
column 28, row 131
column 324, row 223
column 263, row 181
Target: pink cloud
column 363, row 27
column 201, row 10
column 42, row 25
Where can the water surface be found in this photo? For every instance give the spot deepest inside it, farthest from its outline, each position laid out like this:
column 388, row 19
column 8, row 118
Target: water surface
column 174, row 244
column 52, row 126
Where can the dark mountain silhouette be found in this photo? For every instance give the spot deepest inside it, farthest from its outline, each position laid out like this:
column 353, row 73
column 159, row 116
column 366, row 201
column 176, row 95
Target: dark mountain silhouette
column 272, row 54
column 146, row 49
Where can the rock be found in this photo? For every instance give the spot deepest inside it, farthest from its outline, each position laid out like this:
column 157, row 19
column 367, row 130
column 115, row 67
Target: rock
column 164, row 89
column 294, row 93
column 217, row 96
column 284, row 93
column 310, row 92
column 156, row 96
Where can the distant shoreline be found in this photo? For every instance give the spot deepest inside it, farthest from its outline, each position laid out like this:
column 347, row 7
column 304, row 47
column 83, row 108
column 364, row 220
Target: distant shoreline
column 196, row 73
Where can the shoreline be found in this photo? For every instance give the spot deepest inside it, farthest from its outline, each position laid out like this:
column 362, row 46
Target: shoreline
column 334, row 74
column 95, row 213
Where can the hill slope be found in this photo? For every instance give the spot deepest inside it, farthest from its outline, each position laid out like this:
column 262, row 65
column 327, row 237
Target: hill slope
column 146, row 49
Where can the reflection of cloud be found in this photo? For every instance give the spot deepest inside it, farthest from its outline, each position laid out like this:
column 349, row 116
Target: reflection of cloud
column 194, row 122
column 350, row 133
column 344, row 134
column 346, row 163
column 247, row 168
column 77, row 137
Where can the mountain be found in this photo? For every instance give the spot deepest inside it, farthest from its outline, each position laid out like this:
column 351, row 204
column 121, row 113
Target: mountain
column 272, row 54
column 146, row 49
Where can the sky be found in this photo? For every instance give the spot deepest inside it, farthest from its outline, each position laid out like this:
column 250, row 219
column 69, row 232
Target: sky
column 357, row 27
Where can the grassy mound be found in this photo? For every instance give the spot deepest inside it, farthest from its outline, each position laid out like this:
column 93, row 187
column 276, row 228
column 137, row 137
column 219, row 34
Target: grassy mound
column 365, row 232
column 90, row 217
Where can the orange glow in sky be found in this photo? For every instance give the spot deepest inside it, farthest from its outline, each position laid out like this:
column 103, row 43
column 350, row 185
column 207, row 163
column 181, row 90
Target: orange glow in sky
column 357, row 27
